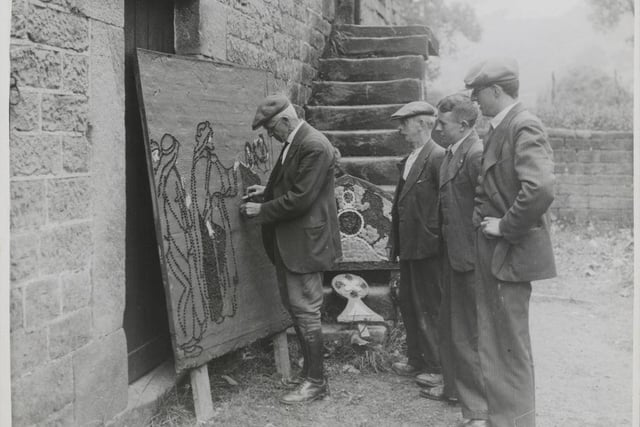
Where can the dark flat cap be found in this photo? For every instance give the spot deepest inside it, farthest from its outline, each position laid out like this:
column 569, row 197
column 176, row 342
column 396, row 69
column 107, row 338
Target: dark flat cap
column 269, row 107
column 414, row 108
column 491, row 71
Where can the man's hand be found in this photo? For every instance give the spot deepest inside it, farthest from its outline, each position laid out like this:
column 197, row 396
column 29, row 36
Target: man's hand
column 491, row 227
column 250, row 209
column 254, row 191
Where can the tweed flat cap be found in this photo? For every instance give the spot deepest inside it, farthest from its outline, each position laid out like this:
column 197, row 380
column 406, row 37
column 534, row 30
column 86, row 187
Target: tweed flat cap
column 269, row 107
column 491, row 71
column 414, row 108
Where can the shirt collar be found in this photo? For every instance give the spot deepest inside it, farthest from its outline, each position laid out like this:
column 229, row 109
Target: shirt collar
column 455, row 146
column 294, row 131
column 501, row 115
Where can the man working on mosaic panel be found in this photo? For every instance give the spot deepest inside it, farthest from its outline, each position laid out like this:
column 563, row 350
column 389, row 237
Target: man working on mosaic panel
column 513, row 246
column 299, row 219
column 415, row 240
column 459, row 173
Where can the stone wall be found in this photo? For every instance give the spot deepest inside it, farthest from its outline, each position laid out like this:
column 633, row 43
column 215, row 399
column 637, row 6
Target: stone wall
column 381, row 12
column 68, row 350
column 594, row 174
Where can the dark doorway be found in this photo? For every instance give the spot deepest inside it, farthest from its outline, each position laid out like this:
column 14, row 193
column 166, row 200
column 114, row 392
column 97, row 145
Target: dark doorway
column 149, row 25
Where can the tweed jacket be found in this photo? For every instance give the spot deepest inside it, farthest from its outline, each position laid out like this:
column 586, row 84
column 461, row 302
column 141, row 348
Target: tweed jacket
column 299, row 210
column 415, row 223
column 516, row 184
column 458, row 181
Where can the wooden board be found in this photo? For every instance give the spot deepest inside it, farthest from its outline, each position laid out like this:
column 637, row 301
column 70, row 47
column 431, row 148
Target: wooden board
column 221, row 288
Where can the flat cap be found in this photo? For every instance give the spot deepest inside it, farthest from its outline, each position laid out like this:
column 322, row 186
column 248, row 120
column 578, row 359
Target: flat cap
column 269, row 107
column 491, row 71
column 414, row 108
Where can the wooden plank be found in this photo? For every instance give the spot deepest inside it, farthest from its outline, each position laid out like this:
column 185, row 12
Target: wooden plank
column 381, row 46
column 281, row 354
column 371, row 69
column 201, row 389
column 221, row 289
column 380, row 142
column 352, row 117
column 363, row 93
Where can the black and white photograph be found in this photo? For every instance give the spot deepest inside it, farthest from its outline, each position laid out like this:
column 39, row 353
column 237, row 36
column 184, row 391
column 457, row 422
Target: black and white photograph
column 359, row 213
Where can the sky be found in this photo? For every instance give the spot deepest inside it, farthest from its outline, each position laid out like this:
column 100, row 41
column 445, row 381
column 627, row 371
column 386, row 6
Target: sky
column 544, row 36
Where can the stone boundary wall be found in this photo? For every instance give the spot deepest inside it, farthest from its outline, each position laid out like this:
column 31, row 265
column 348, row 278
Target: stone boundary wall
column 68, row 349
column 594, row 175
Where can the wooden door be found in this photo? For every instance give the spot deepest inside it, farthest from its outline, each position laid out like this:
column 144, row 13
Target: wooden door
column 149, row 25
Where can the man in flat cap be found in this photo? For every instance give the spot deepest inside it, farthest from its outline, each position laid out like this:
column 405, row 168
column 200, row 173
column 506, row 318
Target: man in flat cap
column 513, row 245
column 299, row 217
column 415, row 240
column 459, row 173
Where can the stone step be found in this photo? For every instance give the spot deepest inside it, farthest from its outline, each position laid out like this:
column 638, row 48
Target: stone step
column 371, row 69
column 379, row 170
column 352, row 117
column 369, row 142
column 348, row 30
column 362, row 47
column 362, row 93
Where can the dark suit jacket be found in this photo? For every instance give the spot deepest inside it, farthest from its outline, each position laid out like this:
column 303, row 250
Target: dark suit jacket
column 517, row 185
column 458, row 181
column 299, row 211
column 415, row 224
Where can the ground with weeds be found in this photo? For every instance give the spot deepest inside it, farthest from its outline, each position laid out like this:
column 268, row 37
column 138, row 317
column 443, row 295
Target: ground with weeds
column 581, row 328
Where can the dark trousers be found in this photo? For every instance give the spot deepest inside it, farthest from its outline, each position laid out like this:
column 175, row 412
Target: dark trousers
column 301, row 294
column 504, row 344
column 459, row 342
column 419, row 299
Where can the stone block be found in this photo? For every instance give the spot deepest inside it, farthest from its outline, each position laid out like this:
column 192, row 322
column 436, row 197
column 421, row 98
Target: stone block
column 27, row 205
column 319, row 22
column 35, row 67
column 66, row 113
column 329, row 9
column 28, row 351
column 108, row 11
column 66, row 248
column 316, row 39
column 16, row 308
column 100, row 370
column 76, row 290
column 69, row 333
column 25, row 115
column 35, row 154
column 75, row 73
column 245, row 28
column 76, row 154
column 258, row 9
column 57, row 28
column 41, row 303
column 108, row 177
column 286, row 46
column 24, row 256
column 62, row 418
column 46, row 391
column 18, row 19
column 212, row 27
column 68, row 198
column 250, row 55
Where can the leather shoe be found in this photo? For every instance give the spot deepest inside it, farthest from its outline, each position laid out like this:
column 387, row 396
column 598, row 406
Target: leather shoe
column 292, row 382
column 404, row 369
column 308, row 391
column 474, row 423
column 437, row 393
column 429, row 380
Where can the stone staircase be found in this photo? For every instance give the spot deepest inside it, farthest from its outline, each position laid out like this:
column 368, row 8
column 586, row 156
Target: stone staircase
column 366, row 74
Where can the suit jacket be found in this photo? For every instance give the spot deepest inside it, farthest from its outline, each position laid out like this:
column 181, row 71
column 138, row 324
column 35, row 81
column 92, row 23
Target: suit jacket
column 458, row 181
column 415, row 223
column 517, row 185
column 299, row 210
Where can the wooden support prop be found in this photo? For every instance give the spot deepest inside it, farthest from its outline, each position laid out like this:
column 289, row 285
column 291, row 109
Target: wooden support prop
column 281, row 353
column 201, row 389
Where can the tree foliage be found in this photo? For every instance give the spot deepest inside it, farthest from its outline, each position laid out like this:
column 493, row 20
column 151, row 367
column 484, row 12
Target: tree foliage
column 586, row 97
column 606, row 14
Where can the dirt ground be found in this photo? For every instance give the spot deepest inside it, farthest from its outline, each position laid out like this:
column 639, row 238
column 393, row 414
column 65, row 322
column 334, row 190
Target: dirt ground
column 581, row 328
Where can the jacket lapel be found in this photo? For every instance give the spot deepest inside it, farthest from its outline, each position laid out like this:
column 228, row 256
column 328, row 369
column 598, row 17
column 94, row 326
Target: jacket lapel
column 495, row 140
column 295, row 145
column 455, row 164
column 417, row 168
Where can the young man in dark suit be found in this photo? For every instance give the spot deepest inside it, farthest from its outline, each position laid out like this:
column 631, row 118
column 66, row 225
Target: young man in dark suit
column 513, row 244
column 459, row 173
column 415, row 240
column 300, row 230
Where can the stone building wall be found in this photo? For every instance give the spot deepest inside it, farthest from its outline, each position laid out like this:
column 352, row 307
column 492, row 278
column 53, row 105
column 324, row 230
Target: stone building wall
column 381, row 12
column 594, row 175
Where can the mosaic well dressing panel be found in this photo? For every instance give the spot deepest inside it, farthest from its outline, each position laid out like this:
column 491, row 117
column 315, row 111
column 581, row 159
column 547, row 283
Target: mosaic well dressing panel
column 202, row 155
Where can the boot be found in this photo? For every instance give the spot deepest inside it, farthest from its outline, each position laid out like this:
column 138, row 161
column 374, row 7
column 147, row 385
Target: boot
column 315, row 386
column 295, row 381
column 308, row 391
